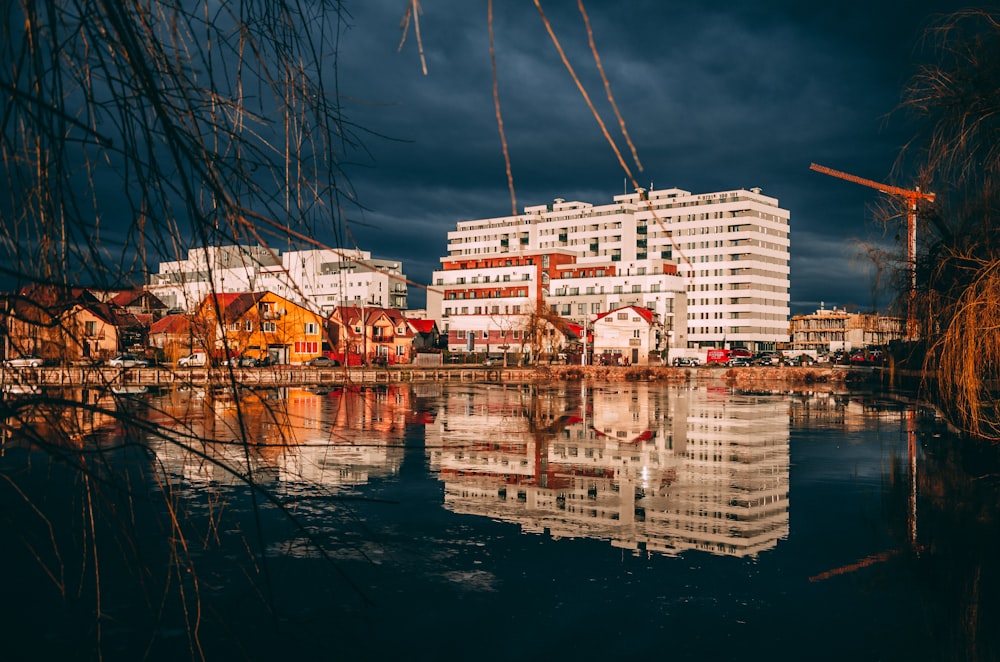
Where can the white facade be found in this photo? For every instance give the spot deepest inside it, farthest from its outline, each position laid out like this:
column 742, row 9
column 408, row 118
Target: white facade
column 627, row 336
column 319, row 280
column 651, row 284
column 731, row 251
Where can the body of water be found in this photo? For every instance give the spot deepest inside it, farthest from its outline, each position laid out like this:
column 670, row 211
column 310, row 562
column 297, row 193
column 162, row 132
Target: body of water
column 494, row 523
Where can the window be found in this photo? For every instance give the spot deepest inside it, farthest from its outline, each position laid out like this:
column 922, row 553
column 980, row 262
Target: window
column 311, row 328
column 248, row 326
column 306, row 347
column 91, row 328
column 268, row 327
column 400, row 350
column 636, row 289
column 622, row 316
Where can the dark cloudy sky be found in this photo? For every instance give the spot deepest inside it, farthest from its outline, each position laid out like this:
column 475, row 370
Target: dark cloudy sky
column 715, row 96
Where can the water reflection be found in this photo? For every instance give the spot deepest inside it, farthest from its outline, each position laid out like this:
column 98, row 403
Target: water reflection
column 643, row 467
column 332, row 438
column 435, row 477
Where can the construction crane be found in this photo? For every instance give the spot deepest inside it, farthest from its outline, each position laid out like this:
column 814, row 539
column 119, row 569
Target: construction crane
column 911, row 197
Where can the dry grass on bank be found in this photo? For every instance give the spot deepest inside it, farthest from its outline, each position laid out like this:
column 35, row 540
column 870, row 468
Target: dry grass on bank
column 740, row 377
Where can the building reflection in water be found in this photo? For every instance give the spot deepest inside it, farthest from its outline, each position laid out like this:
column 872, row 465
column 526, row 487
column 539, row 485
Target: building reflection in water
column 332, row 438
column 643, row 466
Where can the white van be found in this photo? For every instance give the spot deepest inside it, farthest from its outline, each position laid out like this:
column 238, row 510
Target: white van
column 195, row 360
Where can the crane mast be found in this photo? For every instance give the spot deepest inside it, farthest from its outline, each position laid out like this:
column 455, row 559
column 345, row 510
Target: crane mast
column 912, row 196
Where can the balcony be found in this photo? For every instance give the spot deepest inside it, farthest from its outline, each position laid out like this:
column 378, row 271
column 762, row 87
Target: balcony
column 564, row 238
column 641, row 229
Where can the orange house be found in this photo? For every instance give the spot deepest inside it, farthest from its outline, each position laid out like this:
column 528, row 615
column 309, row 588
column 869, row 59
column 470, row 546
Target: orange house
column 262, row 324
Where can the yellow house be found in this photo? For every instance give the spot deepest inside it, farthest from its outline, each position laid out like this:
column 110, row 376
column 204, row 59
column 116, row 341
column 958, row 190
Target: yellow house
column 262, row 325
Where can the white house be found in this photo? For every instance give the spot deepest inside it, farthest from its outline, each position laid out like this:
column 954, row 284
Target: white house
column 627, row 336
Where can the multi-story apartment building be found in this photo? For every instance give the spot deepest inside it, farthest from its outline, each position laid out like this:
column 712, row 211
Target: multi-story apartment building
column 730, row 252
column 320, row 279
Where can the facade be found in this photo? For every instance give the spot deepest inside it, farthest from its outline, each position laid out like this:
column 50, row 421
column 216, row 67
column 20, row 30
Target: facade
column 585, row 291
column 367, row 336
column 67, row 325
column 832, row 330
column 730, row 250
column 319, row 279
column 262, row 324
column 627, row 336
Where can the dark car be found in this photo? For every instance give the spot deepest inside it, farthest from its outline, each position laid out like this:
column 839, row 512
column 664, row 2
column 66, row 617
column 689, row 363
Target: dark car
column 738, row 362
column 801, row 360
column 323, row 362
column 689, row 361
column 250, row 361
column 765, row 358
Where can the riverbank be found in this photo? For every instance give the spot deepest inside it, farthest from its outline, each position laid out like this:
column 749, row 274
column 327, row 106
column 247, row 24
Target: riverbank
column 742, row 377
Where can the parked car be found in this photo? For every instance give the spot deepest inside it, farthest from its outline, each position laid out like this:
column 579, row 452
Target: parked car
column 128, row 361
column 251, row 361
column 800, row 360
column 193, row 360
column 24, row 361
column 740, row 353
column 738, row 362
column 323, row 362
column 858, row 357
column 686, row 361
column 765, row 358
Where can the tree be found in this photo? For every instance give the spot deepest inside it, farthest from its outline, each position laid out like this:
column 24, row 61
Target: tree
column 955, row 98
column 131, row 132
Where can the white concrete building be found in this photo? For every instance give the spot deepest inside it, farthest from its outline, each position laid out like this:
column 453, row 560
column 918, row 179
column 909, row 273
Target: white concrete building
column 583, row 291
column 320, row 279
column 731, row 251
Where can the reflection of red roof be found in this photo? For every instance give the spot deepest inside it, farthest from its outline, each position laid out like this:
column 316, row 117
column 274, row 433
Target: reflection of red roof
column 646, row 435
